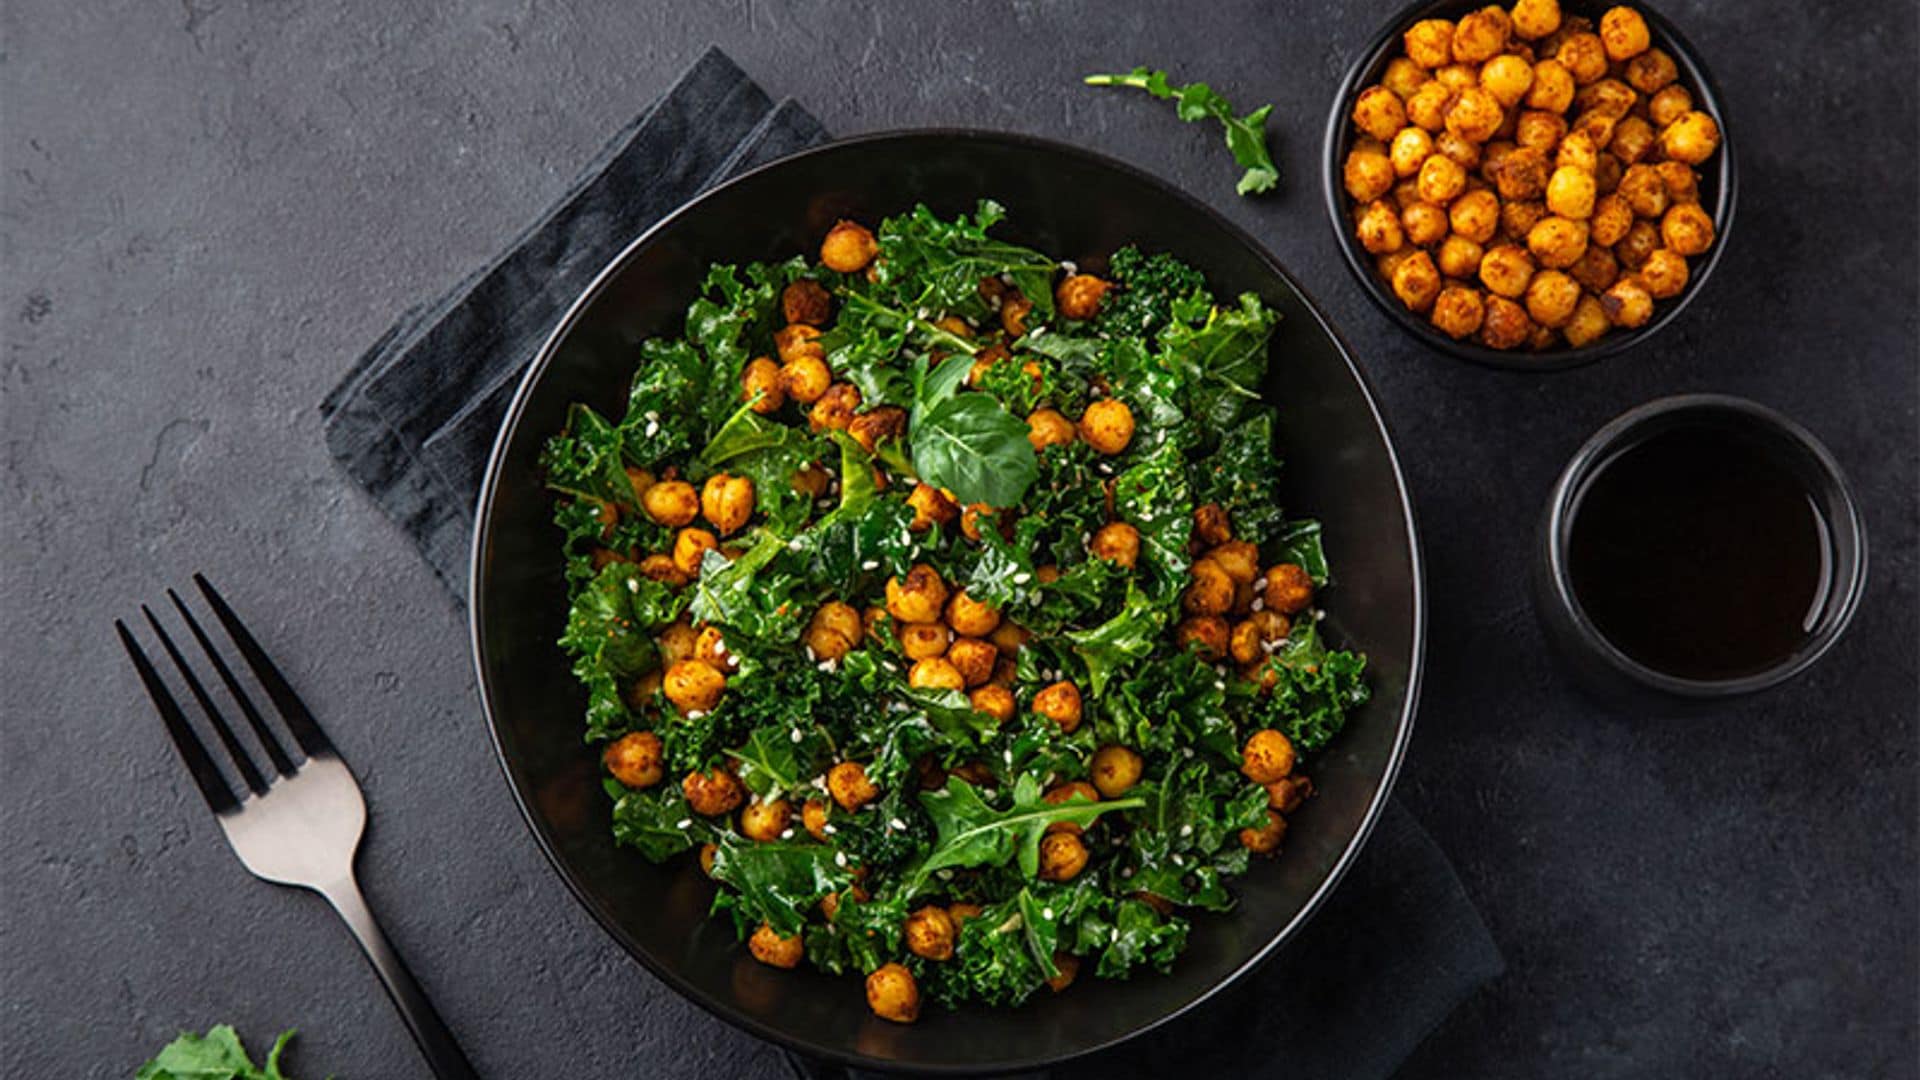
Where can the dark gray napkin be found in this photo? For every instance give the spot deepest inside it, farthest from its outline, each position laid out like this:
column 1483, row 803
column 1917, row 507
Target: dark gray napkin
column 1397, row 947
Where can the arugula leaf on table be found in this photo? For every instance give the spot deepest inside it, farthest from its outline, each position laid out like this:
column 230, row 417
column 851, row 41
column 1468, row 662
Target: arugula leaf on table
column 972, row 833
column 217, row 1055
column 1246, row 135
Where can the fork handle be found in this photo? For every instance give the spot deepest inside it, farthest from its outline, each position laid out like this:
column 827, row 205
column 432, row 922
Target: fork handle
column 429, row 1031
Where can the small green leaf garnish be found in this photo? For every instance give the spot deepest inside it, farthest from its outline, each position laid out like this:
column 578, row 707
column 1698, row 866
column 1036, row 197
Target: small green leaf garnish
column 1246, row 135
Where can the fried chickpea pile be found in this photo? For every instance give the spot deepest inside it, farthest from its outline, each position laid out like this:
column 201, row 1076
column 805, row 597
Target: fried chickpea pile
column 1525, row 179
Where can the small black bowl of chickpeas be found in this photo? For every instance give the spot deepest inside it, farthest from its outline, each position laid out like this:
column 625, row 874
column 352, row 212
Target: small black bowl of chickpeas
column 1532, row 186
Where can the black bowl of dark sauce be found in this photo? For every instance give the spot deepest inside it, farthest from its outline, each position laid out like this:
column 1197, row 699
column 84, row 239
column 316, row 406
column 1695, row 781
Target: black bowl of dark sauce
column 1702, row 546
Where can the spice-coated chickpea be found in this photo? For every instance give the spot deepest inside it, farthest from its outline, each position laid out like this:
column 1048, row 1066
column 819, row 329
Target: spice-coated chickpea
column 810, row 479
column 1239, row 558
column 1506, row 325
column 1078, row 297
column 1062, row 856
column 714, row 793
column 1077, row 791
column 973, row 658
column 1652, row 71
column 796, row 340
column 1589, row 322
column 689, row 546
column 635, row 759
column 693, row 685
column 1507, row 78
column 1481, row 35
column 727, row 502
column 806, row 301
column 1288, row 588
column 1608, row 97
column 1577, row 151
column 1428, row 106
column 1424, row 223
column 661, row 568
column 848, row 784
column 672, row 503
column 768, row 947
column 1535, row 19
column 1552, row 89
column 1570, row 193
column 1267, row 756
column 1687, row 229
column 1539, row 130
column 1683, row 186
column 935, row 673
column 1596, row 269
column 1265, row 839
column 1013, row 314
column 1641, row 241
column 1584, row 56
column 762, row 376
column 1378, row 229
column 1691, row 138
column 877, row 425
column 1644, row 191
column 1379, row 112
column 970, row 617
column 921, row 640
column 930, row 507
column 1107, row 426
column 1664, row 273
column 1367, row 174
column 1475, row 115
column 1628, row 303
column 834, row 410
column 1429, row 43
column 677, row 642
column 848, row 247
column 1457, row 311
column 814, row 816
column 1210, row 590
column 1612, row 217
column 1409, row 148
column 1416, row 281
column 893, row 995
column 930, row 933
column 1066, row 967
column 1211, row 524
column 834, row 631
column 1459, row 256
column 918, row 597
column 1289, row 793
column 1522, row 174
column 1506, row 270
column 1059, row 703
column 1254, row 637
column 973, row 517
column 1557, row 242
column 1047, row 427
column 1464, row 151
column 1117, row 542
column 763, row 820
column 1669, row 105
column 1624, row 33
column 1209, row 632
column 1606, row 174
column 1009, row 637
column 1403, row 77
column 1475, row 215
column 1551, row 297
column 995, row 701
column 1633, row 139
column 805, row 378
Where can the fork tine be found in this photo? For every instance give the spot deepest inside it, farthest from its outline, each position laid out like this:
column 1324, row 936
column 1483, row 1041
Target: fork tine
column 213, row 787
column 234, row 750
column 306, row 731
column 261, row 731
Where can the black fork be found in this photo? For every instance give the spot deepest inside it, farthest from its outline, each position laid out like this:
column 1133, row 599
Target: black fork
column 292, row 823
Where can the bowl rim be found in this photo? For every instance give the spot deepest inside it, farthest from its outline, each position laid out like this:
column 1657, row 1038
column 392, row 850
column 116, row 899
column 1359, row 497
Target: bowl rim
column 477, row 601
column 1337, row 138
column 1624, row 431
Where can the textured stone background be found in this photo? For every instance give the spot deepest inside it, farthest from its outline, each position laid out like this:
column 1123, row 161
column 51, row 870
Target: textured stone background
column 210, row 208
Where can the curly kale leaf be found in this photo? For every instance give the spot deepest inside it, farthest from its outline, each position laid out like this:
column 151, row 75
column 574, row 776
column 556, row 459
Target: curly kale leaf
column 610, row 637
column 1316, row 688
column 658, row 823
column 1221, row 362
column 1246, row 135
column 936, row 264
column 895, row 831
column 753, row 596
column 1115, row 645
column 1298, row 542
column 861, row 936
column 1151, row 495
column 1178, row 702
column 1151, row 287
column 1007, row 951
column 1132, row 934
column 775, row 882
column 586, row 460
column 780, row 758
column 1184, row 845
column 668, row 402
column 769, row 453
column 1243, row 477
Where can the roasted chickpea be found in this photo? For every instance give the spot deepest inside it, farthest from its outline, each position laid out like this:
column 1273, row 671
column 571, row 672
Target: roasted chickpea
column 973, row 658
column 1115, row 770
column 1287, row 588
column 663, row 569
column 762, row 376
column 1610, row 97
column 995, row 701
column 1641, row 241
column 1457, row 311
column 1424, row 223
column 635, row 759
column 768, row 947
column 805, row 378
column 689, row 546
column 877, row 425
column 1633, row 138
column 1427, row 108
column 1475, row 115
column 923, row 640
column 1552, row 89
column 1066, row 967
column 1682, row 185
column 814, row 815
column 1664, row 274
column 1403, row 77
column 1535, row 19
column 1059, row 703
column 1481, row 35
column 930, row 507
column 1378, row 229
column 672, row 503
column 1013, row 313
column 1506, row 270
column 1540, row 131
column 1457, row 77
column 1557, row 242
column 1062, row 856
column 1589, row 322
column 1416, row 281
column 936, row 673
column 810, row 479
column 1669, row 105
column 1459, row 257
column 1046, row 427
column 1691, row 138
column 1628, row 303
column 1117, row 542
column 1209, row 632
column 919, row 597
column 708, row 852
column 1551, row 297
column 1009, row 637
column 1584, row 57
column 1506, row 325
column 1612, row 217
column 1265, row 839
column 693, row 685
column 1368, row 173
column 1409, row 148
column 1570, row 193
column 834, row 410
column 806, row 301
column 834, row 631
column 1598, row 126
column 677, row 642
column 1596, row 269
column 1606, row 174
column 1464, row 151
column 1253, row 639
column 1210, row 591
column 1577, row 151
column 727, row 503
column 893, row 995
column 1687, row 229
column 711, row 794
column 930, row 933
column 1289, row 793
column 1078, row 297
column 1521, row 175
column 1475, row 216
column 848, row 784
column 1211, row 525
column 1651, row 71
column 1107, row 426
column 1379, row 112
column 764, row 820
column 848, row 248
column 1624, row 33
column 1267, row 756
column 1507, row 78
column 1429, row 43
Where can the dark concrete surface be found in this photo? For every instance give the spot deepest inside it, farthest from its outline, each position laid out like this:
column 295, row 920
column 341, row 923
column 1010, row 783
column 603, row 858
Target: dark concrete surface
column 210, row 208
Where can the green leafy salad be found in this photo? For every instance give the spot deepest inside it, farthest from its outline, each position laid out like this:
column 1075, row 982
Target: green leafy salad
column 936, row 595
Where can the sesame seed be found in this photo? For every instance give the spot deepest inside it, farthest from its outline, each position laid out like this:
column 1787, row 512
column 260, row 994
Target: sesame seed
column 1022, row 578
column 1259, row 603
column 796, row 735
column 696, row 714
column 653, row 428
column 828, row 829
column 1219, row 685
column 1046, row 913
column 870, row 564
column 786, row 834
column 896, row 825
column 1186, row 830
column 840, row 858
column 1127, row 873
column 683, row 823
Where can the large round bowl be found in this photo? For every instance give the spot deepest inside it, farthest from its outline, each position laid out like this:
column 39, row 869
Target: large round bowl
column 1077, row 205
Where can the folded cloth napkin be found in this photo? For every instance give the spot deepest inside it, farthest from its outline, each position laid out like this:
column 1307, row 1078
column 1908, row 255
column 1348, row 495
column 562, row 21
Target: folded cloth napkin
column 1396, row 948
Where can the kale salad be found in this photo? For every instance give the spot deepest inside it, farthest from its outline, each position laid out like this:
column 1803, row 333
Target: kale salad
column 936, row 595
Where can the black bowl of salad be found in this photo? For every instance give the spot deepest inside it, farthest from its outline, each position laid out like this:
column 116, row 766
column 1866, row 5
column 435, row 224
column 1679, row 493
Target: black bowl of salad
column 896, row 624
